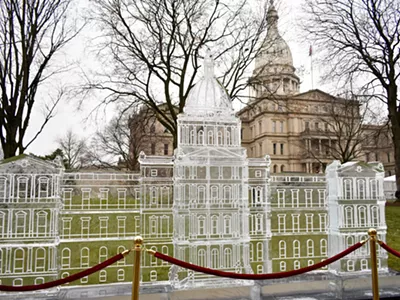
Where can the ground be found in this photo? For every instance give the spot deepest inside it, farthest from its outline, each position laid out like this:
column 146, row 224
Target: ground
column 393, row 234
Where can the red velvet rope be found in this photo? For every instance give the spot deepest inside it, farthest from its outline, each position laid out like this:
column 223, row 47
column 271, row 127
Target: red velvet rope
column 258, row 276
column 388, row 249
column 110, row 261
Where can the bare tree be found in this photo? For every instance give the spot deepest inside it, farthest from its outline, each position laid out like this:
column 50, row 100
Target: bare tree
column 73, row 149
column 119, row 143
column 360, row 39
column 157, row 47
column 31, row 33
column 340, row 129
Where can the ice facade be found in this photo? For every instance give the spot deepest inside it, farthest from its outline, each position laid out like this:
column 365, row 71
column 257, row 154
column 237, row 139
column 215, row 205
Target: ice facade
column 208, row 204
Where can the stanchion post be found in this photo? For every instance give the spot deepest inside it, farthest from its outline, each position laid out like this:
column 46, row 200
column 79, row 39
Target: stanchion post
column 374, row 266
column 138, row 242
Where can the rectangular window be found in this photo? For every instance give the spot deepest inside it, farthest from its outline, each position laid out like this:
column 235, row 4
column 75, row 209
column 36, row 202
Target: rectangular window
column 322, row 222
column 307, row 125
column 66, row 227
column 281, row 198
column 308, row 196
column 86, row 198
column 103, row 198
column 309, row 222
column 281, row 149
column 121, row 198
column 67, row 196
column 281, row 223
column 165, row 149
column 259, row 127
column 273, row 126
column 121, row 225
column 137, row 225
column 153, row 149
column 103, row 226
column 295, row 223
column 295, row 198
column 85, row 227
column 321, row 197
column 281, row 127
column 274, row 148
column 316, row 126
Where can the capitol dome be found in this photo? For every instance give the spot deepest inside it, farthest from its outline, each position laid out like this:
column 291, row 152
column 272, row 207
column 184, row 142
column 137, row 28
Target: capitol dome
column 208, row 97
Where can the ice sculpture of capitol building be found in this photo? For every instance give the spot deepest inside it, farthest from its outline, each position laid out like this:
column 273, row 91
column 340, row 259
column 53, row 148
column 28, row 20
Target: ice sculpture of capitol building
column 209, row 205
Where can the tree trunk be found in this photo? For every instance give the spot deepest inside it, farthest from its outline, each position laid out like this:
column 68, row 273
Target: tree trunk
column 394, row 116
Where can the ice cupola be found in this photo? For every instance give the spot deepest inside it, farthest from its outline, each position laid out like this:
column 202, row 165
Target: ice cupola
column 274, row 71
column 208, row 97
column 210, row 204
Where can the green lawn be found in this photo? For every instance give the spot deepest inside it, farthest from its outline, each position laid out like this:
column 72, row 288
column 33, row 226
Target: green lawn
column 393, row 234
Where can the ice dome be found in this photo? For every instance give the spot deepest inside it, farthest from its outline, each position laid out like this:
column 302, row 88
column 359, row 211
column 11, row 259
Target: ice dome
column 208, row 97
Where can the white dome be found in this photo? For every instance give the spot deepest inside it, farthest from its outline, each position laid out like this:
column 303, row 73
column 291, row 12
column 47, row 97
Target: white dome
column 208, row 97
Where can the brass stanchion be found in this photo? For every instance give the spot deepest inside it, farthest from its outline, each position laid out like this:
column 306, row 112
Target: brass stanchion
column 374, row 267
column 138, row 242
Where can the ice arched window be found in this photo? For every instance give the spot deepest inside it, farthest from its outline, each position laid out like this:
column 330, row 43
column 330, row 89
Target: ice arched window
column 296, row 248
column 348, row 191
column 310, row 262
column 153, row 259
column 214, row 259
column 210, row 136
column 200, row 137
column 214, row 194
column 228, row 257
column 39, row 280
column 41, row 223
column 43, row 187
column 121, row 275
column 282, row 249
column 201, row 225
column 282, row 266
column 40, row 259
column 22, row 188
column 227, row 192
column 296, row 265
column 350, row 241
column 374, row 188
column 153, row 275
column 323, row 247
column 361, row 188
column 310, row 248
column 350, row 265
column 364, row 264
column 19, row 260
column 85, row 257
column 227, row 224
column 20, row 223
column 121, row 262
column 228, row 137
column 192, row 137
column 103, row 253
column 260, row 251
column 201, row 257
column 260, row 269
column 219, row 138
column 362, row 216
column 214, row 224
column 103, row 276
column 348, row 216
column 66, row 258
column 374, row 216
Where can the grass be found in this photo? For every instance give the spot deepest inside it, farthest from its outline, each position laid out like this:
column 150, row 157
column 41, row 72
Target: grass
column 393, row 234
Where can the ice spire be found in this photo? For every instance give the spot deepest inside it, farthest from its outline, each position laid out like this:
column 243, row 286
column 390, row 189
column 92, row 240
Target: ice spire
column 208, row 65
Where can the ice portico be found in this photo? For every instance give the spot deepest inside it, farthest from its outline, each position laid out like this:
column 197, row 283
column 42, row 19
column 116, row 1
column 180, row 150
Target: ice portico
column 210, row 208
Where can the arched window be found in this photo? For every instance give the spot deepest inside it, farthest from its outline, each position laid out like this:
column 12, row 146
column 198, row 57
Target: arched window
column 348, row 216
column 362, row 216
column 374, row 216
column 282, row 168
column 201, row 225
column 43, row 187
column 228, row 258
column 296, row 265
column 228, row 137
column 22, row 188
column 192, row 137
column 214, row 258
column 350, row 241
column 275, row 169
column 153, row 275
column 282, row 266
column 121, row 262
column 260, row 251
column 361, row 188
column 19, row 260
column 85, row 257
column 219, row 138
column 350, row 265
column 210, row 137
column 374, row 188
column 66, row 258
column 296, row 248
column 200, row 137
column 364, row 264
column 323, row 247
column 348, row 191
column 227, row 224
column 310, row 248
column 260, row 269
column 214, row 224
column 41, row 223
column 201, row 194
column 20, row 224
column 103, row 254
column 18, row 282
column 153, row 259
column 282, row 249
column 103, row 276
column 121, row 275
column 227, row 192
column 40, row 259
column 201, row 257
column 310, row 262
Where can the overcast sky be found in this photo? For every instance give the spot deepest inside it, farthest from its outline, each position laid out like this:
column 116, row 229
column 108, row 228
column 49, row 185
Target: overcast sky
column 80, row 54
